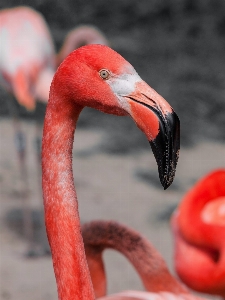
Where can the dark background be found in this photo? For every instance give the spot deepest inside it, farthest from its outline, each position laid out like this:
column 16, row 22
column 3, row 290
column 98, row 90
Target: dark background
column 176, row 46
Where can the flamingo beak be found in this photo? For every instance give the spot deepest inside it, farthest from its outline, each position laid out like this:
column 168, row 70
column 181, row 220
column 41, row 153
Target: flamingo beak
column 155, row 117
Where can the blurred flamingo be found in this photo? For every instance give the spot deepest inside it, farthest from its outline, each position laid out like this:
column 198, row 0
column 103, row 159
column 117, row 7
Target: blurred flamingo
column 27, row 65
column 97, row 77
column 199, row 226
column 26, row 55
column 26, row 69
column 151, row 267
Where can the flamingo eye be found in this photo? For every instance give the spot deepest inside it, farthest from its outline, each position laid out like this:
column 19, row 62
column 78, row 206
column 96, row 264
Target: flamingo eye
column 104, row 74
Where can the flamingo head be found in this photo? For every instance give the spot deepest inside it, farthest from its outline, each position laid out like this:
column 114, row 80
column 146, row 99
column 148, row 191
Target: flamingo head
column 98, row 77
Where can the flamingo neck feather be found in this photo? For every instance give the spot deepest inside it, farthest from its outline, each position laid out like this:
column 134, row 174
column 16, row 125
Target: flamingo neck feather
column 60, row 202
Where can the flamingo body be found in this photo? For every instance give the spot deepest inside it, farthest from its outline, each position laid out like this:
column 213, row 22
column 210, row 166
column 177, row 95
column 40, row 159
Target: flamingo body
column 198, row 227
column 27, row 55
column 98, row 77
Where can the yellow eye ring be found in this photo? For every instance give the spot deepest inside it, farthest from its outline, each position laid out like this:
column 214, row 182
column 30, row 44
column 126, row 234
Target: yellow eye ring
column 104, row 74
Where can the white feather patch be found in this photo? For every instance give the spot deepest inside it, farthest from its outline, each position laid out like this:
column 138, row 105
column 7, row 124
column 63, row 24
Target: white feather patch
column 123, row 85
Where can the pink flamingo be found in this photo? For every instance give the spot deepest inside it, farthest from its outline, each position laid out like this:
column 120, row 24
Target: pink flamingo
column 27, row 55
column 153, row 271
column 198, row 227
column 26, row 69
column 97, row 77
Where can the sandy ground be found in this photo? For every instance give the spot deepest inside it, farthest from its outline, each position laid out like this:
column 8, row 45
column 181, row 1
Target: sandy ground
column 107, row 189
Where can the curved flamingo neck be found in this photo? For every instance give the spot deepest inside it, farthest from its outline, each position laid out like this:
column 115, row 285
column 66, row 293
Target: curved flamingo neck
column 60, row 201
column 151, row 267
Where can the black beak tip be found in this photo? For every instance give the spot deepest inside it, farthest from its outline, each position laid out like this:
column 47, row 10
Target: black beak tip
column 166, row 148
column 167, row 182
column 166, row 169
column 165, row 185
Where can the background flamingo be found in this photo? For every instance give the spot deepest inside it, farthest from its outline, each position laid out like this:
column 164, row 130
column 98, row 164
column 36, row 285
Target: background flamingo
column 151, row 267
column 27, row 61
column 198, row 228
column 27, row 55
column 26, row 69
column 98, row 77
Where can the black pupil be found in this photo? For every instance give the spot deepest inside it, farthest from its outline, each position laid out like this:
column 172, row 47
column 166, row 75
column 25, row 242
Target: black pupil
column 104, row 74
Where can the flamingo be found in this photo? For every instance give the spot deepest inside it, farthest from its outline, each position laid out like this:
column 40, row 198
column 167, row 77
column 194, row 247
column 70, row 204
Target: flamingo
column 100, row 235
column 198, row 226
column 95, row 76
column 26, row 69
column 27, row 62
column 27, row 55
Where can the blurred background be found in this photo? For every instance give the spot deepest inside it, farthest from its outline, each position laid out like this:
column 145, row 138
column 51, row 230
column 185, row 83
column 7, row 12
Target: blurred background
column 177, row 47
